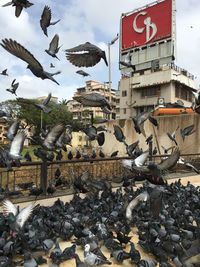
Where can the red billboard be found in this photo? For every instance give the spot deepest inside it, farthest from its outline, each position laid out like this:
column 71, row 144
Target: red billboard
column 147, row 25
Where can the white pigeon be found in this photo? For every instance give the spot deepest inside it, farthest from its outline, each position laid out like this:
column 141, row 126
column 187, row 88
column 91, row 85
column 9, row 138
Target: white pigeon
column 139, row 161
column 21, row 216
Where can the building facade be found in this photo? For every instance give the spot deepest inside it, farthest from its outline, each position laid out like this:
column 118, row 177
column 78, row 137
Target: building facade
column 84, row 113
column 146, row 89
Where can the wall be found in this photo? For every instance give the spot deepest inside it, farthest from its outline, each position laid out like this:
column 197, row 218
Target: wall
column 166, row 124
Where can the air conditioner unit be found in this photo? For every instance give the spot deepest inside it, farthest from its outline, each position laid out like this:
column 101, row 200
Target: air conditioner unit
column 161, row 101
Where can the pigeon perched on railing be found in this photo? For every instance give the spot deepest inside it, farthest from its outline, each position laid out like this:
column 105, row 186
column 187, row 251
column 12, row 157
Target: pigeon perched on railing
column 90, row 56
column 21, row 52
column 45, row 20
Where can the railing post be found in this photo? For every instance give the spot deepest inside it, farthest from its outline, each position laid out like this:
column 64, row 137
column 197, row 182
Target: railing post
column 43, row 176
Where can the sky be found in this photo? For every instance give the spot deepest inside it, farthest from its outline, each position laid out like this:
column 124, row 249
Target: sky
column 96, row 21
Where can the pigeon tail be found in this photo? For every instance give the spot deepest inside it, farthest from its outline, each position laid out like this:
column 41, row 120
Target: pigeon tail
column 53, row 23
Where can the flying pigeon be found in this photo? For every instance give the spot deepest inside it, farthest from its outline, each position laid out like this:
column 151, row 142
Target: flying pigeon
column 21, row 52
column 19, row 5
column 187, row 131
column 13, row 88
column 92, row 100
column 20, row 217
column 4, row 72
column 17, row 145
column 45, row 20
column 172, row 136
column 51, row 65
column 90, row 57
column 83, row 73
column 53, row 47
column 13, row 129
column 43, row 105
column 53, row 135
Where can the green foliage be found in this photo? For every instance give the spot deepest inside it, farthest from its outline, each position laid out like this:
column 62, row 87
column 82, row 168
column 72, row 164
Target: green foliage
column 25, row 110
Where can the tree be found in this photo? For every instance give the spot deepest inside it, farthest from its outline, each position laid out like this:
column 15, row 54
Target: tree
column 25, row 110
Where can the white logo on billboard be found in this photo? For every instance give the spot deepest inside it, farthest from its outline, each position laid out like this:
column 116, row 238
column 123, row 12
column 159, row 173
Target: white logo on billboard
column 150, row 27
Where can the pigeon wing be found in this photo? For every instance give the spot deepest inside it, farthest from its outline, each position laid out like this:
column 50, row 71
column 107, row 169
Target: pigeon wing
column 139, row 161
column 18, row 10
column 21, row 52
column 46, row 101
column 24, row 214
column 17, row 144
column 45, row 19
column 8, row 207
column 82, row 47
column 13, row 82
column 54, row 134
column 171, row 161
column 53, row 46
column 83, row 60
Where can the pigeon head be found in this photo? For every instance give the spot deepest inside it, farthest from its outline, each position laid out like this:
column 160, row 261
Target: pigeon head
column 87, row 248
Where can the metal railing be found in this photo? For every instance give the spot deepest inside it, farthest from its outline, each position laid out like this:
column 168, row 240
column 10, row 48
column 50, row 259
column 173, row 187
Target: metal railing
column 41, row 174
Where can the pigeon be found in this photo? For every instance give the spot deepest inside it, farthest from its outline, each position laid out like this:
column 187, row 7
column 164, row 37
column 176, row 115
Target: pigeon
column 20, row 216
column 83, row 73
column 187, row 164
column 149, row 139
column 21, row 52
column 29, row 261
column 43, row 105
column 12, row 130
column 172, row 136
column 127, row 64
column 13, row 88
column 45, row 20
column 17, row 145
column 53, row 47
column 19, row 5
column 92, row 100
column 4, row 72
column 90, row 57
column 119, row 134
column 187, row 131
column 138, row 162
column 51, row 138
column 155, row 151
column 141, row 197
column 92, row 259
column 51, row 65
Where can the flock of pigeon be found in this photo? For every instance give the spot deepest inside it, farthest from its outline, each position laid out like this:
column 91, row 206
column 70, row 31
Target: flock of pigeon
column 167, row 217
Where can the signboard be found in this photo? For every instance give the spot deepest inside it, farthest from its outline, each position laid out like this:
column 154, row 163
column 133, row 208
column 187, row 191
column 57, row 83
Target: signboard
column 147, row 25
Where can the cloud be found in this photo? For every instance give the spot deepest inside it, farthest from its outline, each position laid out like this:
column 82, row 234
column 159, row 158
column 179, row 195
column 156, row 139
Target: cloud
column 95, row 21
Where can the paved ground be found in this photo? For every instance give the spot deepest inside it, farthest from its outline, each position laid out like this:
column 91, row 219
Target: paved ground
column 194, row 179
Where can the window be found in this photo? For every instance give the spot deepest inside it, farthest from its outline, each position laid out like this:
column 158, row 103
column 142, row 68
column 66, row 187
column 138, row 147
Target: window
column 182, row 92
column 124, row 93
column 150, row 91
column 124, row 110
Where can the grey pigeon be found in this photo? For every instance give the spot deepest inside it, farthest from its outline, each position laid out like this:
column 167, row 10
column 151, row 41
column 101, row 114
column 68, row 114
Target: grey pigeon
column 21, row 52
column 43, row 105
column 83, row 73
column 12, row 130
column 13, row 88
column 45, row 20
column 4, row 72
column 187, row 131
column 90, row 56
column 92, row 100
column 53, row 47
column 92, row 259
column 53, row 135
column 19, row 5
column 29, row 261
column 127, row 64
column 172, row 136
column 20, row 216
column 17, row 145
column 118, row 133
